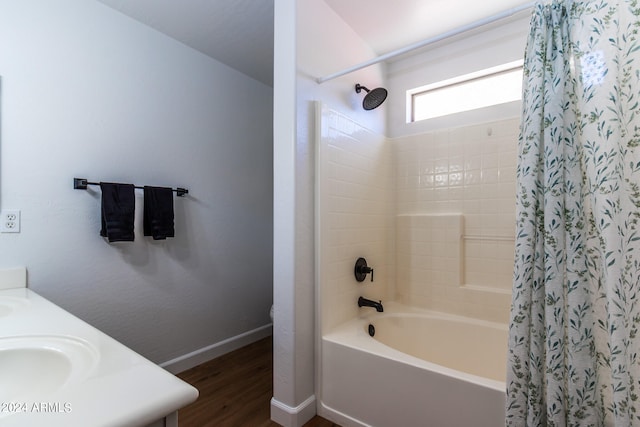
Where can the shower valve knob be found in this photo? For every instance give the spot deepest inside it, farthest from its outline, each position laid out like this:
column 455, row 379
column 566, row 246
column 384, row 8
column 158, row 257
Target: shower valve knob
column 361, row 270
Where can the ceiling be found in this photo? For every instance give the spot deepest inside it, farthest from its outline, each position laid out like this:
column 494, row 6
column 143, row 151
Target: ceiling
column 239, row 33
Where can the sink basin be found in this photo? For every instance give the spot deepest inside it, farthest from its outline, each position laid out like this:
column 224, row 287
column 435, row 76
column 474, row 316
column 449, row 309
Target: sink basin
column 35, row 366
column 58, row 371
column 9, row 304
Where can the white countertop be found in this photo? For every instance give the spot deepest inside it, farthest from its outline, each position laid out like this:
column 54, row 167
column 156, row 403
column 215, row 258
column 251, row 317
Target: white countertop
column 110, row 385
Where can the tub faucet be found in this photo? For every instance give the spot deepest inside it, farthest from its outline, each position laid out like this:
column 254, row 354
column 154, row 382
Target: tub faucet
column 363, row 302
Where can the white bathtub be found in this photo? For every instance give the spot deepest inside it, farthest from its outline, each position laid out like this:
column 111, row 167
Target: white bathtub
column 421, row 368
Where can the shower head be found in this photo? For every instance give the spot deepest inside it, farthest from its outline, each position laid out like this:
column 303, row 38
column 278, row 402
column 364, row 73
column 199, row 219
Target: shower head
column 373, row 98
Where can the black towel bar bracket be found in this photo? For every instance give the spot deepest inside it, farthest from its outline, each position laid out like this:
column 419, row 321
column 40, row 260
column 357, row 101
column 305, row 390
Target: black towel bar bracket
column 82, row 183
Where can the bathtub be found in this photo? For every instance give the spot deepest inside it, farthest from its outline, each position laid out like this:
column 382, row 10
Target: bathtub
column 421, row 368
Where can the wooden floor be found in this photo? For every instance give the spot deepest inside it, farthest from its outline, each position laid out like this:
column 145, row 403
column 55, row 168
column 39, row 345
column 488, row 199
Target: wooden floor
column 235, row 390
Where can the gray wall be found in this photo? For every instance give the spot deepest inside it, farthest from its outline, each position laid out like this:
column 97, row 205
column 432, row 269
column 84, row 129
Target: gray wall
column 91, row 93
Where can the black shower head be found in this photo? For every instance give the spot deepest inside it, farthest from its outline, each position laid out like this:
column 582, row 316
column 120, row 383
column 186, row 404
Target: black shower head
column 373, row 98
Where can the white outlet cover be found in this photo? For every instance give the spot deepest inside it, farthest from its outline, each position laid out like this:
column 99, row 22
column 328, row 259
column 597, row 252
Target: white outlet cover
column 9, row 221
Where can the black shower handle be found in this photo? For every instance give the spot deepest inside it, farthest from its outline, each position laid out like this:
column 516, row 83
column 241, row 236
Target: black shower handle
column 361, row 270
column 367, row 270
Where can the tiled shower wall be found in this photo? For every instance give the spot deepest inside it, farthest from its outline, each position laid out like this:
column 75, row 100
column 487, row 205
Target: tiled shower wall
column 355, row 215
column 469, row 171
column 445, row 200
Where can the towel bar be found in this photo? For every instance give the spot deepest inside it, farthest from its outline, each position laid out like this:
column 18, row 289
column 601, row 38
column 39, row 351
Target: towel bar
column 82, row 183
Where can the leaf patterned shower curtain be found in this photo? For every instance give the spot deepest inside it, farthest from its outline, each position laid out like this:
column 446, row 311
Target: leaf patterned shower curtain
column 574, row 344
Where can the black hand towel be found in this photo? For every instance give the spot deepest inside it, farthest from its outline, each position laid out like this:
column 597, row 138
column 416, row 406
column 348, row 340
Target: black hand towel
column 158, row 212
column 118, row 209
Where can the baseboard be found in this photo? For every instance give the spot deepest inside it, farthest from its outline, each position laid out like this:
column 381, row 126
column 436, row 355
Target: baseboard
column 288, row 416
column 195, row 358
column 339, row 417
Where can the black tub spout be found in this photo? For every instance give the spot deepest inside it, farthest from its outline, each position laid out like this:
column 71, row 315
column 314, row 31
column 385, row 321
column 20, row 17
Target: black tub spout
column 363, row 302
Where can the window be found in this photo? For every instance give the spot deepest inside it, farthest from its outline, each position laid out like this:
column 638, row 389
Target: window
column 492, row 86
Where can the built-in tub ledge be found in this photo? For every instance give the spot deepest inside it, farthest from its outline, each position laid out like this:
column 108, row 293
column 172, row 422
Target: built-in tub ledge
column 57, row 370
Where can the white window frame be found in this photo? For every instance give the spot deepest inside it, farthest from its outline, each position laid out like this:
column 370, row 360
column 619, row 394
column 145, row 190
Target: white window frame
column 459, row 82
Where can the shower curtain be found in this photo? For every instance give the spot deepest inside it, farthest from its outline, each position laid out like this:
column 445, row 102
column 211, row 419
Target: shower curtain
column 574, row 343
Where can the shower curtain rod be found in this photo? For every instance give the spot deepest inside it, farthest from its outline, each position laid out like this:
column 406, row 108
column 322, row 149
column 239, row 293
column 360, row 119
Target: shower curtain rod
column 428, row 41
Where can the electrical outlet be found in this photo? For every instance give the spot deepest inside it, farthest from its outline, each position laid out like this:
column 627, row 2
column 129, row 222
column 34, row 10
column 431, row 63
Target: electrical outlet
column 9, row 221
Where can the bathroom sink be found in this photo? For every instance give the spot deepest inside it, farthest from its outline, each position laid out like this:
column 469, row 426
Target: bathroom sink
column 35, row 366
column 9, row 304
column 58, row 371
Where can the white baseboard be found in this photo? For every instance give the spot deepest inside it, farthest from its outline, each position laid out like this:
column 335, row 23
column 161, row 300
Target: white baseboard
column 197, row 357
column 338, row 417
column 288, row 416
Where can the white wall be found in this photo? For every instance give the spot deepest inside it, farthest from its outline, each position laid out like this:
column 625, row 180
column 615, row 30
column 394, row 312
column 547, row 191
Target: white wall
column 288, row 336
column 321, row 43
column 466, row 174
column 486, row 47
column 88, row 92
column 459, row 164
column 356, row 206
